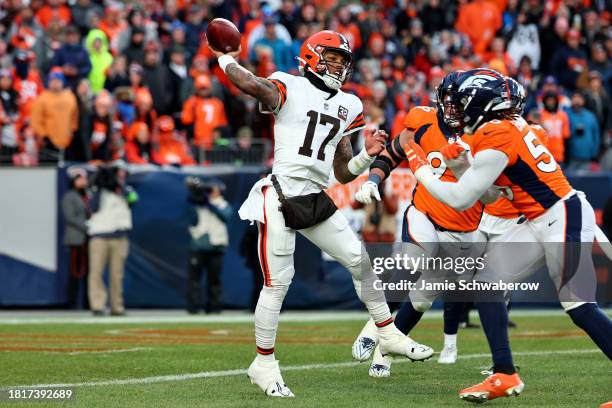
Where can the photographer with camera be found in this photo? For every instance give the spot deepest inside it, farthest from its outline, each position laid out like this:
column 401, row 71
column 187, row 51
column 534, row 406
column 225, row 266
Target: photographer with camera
column 208, row 217
column 108, row 227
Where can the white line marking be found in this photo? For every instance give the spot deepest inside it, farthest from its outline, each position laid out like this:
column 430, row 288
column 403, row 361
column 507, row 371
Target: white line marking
column 128, row 350
column 230, row 373
column 177, row 316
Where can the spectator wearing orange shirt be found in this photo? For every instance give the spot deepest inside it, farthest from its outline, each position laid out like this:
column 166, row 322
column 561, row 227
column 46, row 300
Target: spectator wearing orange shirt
column 27, row 83
column 203, row 113
column 139, row 148
column 172, row 148
column 479, row 20
column 556, row 123
column 54, row 117
column 112, row 25
column 52, row 10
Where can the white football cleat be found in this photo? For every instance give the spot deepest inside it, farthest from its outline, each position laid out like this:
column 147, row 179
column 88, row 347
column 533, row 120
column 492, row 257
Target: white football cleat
column 448, row 355
column 381, row 365
column 267, row 376
column 364, row 345
column 394, row 342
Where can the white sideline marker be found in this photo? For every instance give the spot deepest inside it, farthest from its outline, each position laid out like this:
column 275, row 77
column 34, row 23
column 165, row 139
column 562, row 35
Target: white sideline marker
column 238, row 372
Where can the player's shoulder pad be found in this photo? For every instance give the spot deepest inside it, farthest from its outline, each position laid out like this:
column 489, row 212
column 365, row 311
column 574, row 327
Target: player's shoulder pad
column 419, row 116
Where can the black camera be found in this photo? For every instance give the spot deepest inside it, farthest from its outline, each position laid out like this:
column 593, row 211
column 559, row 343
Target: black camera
column 106, row 178
column 198, row 189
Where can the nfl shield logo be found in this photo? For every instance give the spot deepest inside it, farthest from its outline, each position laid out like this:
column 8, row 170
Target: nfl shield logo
column 342, row 112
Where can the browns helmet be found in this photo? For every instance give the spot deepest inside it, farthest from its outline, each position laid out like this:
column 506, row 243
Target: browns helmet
column 312, row 57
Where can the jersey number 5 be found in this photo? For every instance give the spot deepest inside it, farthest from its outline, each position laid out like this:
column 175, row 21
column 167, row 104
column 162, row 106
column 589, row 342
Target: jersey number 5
column 323, row 119
column 538, row 150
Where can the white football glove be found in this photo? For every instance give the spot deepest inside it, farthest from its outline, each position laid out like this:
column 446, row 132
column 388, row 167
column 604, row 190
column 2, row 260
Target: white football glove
column 367, row 190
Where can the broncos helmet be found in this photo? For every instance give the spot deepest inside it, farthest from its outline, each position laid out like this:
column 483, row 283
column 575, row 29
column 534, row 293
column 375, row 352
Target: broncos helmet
column 452, row 118
column 517, row 97
column 480, row 94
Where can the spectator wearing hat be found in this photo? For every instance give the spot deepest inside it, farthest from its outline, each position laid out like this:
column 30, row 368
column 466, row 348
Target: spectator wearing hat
column 54, row 117
column 72, row 58
column 258, row 31
column 139, row 147
column 280, row 50
column 203, row 114
column 27, row 83
column 136, row 78
column 584, row 143
column 555, row 121
column 9, row 117
column 75, row 210
column 172, row 148
column 101, row 59
column 135, row 50
column 156, row 77
column 569, row 62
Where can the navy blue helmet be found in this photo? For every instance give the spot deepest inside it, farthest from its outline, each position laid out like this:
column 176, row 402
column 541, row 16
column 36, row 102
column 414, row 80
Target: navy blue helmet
column 451, row 118
column 517, row 96
column 480, row 95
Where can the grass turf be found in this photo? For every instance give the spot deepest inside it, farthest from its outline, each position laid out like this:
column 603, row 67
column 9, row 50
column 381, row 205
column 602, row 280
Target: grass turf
column 71, row 353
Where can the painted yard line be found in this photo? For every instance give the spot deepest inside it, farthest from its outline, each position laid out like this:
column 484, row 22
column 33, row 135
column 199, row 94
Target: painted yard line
column 238, row 372
column 179, row 317
column 127, row 350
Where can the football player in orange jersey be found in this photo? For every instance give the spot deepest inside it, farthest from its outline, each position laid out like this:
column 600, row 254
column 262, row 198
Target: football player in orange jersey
column 430, row 227
column 508, row 154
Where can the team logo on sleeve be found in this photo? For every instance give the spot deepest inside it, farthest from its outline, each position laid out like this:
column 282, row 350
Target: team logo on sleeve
column 342, row 112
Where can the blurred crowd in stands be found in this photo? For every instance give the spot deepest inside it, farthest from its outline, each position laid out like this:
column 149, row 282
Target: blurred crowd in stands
column 86, row 80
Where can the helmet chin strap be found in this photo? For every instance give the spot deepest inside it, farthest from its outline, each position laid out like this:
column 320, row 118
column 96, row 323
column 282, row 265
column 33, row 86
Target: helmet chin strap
column 319, row 83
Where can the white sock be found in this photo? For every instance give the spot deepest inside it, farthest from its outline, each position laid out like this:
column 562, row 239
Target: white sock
column 374, row 301
column 267, row 358
column 266, row 320
column 450, row 340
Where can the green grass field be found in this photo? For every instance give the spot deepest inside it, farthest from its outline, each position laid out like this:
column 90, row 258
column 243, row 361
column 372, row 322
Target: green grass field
column 122, row 364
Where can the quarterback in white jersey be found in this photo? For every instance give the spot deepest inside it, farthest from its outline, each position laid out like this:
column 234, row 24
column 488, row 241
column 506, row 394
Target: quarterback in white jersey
column 312, row 118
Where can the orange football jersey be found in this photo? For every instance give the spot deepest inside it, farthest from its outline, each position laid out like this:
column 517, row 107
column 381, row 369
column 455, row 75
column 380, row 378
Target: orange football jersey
column 503, row 208
column 532, row 180
column 431, row 134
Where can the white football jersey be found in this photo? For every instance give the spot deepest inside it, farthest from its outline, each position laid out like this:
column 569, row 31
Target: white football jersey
column 308, row 126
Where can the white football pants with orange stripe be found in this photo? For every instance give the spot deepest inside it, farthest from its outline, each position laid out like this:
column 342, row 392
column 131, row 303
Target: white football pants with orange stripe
column 276, row 247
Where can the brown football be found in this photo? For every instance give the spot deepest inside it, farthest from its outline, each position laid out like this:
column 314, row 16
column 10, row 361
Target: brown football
column 223, row 35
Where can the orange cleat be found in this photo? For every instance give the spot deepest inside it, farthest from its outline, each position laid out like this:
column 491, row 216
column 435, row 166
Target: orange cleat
column 494, row 386
column 606, row 405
